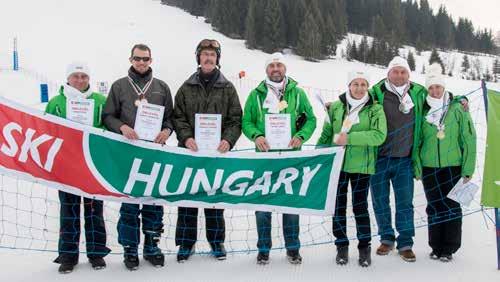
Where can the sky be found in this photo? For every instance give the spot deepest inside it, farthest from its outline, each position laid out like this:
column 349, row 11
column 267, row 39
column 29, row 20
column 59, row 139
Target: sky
column 483, row 13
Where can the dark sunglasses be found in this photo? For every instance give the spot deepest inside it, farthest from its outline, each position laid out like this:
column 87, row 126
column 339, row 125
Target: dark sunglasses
column 209, row 43
column 144, row 59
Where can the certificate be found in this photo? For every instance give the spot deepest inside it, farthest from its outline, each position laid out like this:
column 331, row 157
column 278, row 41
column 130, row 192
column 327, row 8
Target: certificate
column 80, row 110
column 148, row 121
column 278, row 131
column 207, row 131
column 463, row 193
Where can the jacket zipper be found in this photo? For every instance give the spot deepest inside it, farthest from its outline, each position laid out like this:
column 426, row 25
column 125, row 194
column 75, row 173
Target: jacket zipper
column 439, row 152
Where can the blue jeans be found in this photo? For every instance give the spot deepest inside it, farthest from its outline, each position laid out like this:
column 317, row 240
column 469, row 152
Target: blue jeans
column 129, row 224
column 290, row 231
column 399, row 172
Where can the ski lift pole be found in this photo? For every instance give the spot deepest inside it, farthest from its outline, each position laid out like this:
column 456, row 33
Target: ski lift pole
column 15, row 56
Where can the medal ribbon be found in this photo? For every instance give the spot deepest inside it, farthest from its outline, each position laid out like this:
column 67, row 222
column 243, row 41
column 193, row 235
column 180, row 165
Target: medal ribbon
column 140, row 92
column 400, row 97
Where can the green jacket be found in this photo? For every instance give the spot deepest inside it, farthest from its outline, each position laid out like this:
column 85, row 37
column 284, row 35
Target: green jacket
column 253, row 123
column 363, row 138
column 458, row 148
column 57, row 106
column 418, row 93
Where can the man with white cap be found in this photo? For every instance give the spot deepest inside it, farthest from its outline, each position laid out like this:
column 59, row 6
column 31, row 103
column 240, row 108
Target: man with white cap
column 278, row 94
column 77, row 92
column 402, row 101
column 358, row 122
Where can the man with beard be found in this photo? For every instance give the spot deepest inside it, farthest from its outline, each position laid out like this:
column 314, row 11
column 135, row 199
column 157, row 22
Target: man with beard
column 278, row 94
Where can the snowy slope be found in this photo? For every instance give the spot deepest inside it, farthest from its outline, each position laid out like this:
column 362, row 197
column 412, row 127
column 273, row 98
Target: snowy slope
column 53, row 32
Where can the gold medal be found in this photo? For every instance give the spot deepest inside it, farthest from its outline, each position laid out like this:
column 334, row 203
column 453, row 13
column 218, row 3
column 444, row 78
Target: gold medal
column 282, row 105
column 441, row 135
column 347, row 124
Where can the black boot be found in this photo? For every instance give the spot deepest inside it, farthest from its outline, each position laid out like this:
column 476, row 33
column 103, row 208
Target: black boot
column 218, row 251
column 446, row 257
column 97, row 263
column 434, row 255
column 365, row 257
column 184, row 253
column 342, row 255
column 293, row 256
column 131, row 259
column 262, row 258
column 152, row 253
column 66, row 267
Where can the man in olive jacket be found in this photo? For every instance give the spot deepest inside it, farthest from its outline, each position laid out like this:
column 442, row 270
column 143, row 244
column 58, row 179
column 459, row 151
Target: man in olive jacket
column 207, row 91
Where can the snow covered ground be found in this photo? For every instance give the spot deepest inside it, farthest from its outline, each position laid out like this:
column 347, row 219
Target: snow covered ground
column 52, row 33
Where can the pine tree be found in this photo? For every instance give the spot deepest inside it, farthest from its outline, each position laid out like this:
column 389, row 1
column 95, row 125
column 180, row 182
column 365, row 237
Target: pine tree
column 357, row 12
column 496, row 69
column 435, row 58
column 339, row 18
column 294, row 20
column 465, row 64
column 352, row 51
column 444, row 29
column 309, row 44
column 251, row 26
column 411, row 61
column 383, row 47
column 465, row 35
column 363, row 50
column 314, row 7
column 329, row 37
column 273, row 27
column 241, row 12
column 487, row 75
column 426, row 24
column 379, row 29
column 372, row 54
column 394, row 21
column 411, row 22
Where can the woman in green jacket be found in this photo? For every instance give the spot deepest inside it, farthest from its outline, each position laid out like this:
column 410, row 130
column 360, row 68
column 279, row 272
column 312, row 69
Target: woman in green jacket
column 357, row 122
column 447, row 154
column 78, row 89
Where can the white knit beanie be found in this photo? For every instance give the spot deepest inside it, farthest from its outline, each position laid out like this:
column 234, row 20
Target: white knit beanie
column 275, row 58
column 77, row 67
column 357, row 74
column 398, row 62
column 433, row 76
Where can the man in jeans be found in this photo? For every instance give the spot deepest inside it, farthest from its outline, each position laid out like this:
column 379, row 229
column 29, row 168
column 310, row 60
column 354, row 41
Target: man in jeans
column 125, row 96
column 278, row 94
column 403, row 102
